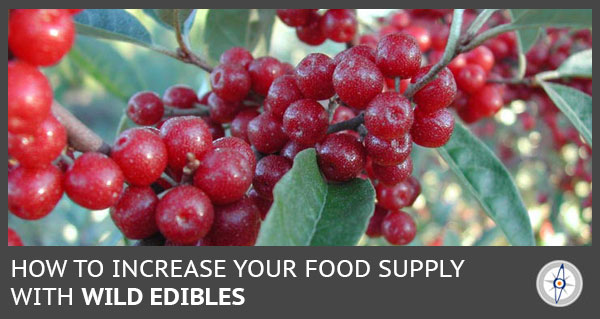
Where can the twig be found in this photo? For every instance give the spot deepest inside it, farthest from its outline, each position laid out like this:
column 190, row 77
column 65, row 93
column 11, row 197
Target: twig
column 351, row 124
column 198, row 111
column 184, row 52
column 81, row 137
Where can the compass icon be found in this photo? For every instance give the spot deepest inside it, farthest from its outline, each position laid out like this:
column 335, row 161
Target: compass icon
column 559, row 283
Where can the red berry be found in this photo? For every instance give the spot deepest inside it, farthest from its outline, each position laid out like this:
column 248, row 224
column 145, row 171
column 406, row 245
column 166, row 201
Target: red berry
column 481, row 56
column 341, row 114
column 388, row 152
column 397, row 196
column 224, row 175
column 398, row 55
column 141, row 154
column 339, row 25
column 13, row 238
column 134, row 213
column 283, row 92
column 400, row 19
column 369, row 40
column 374, row 228
column 265, row 133
column 263, row 204
column 313, row 76
column 389, row 115
column 360, row 50
column 216, row 129
column 305, row 122
column 237, row 56
column 33, row 193
column 341, row 157
column 145, row 108
column 438, row 93
column 311, row 33
column 498, row 47
column 40, row 148
column 94, row 181
column 398, row 228
column 222, row 111
column 269, row 170
column 40, row 36
column 392, row 175
column 486, row 101
column 239, row 146
column 291, row 149
column 432, row 129
column 180, row 96
column 236, row 224
column 183, row 135
column 184, row 215
column 74, row 11
column 471, row 78
column 230, row 82
column 421, row 35
column 239, row 125
column 29, row 97
column 357, row 81
column 439, row 37
column 459, row 62
column 295, row 17
column 263, row 71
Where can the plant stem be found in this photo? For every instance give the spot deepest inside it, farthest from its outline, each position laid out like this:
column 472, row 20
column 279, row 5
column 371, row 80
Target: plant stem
column 198, row 111
column 184, row 51
column 80, row 137
column 351, row 124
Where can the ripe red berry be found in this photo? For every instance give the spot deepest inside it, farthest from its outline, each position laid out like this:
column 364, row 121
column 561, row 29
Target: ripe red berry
column 339, row 25
column 235, row 224
column 471, row 78
column 222, row 111
column 263, row 204
column 33, row 193
column 184, row 215
column 341, row 157
column 388, row 152
column 94, row 181
column 239, row 146
column 481, row 56
column 400, row 19
column 439, row 37
column 29, row 97
column 341, row 114
column 398, row 55
column 392, row 175
column 224, row 175
column 230, row 82
column 398, row 228
column 134, row 213
column 313, row 76
column 421, row 35
column 459, row 62
column 183, row 135
column 269, row 170
column 40, row 148
column 432, row 129
column 357, row 81
column 360, row 50
column 389, row 115
column 369, row 40
column 487, row 101
column 237, row 56
column 283, row 92
column 311, row 33
column 239, row 125
column 397, row 196
column 305, row 122
column 145, row 108
column 437, row 94
column 374, row 227
column 263, row 71
column 40, row 36
column 295, row 17
column 141, row 154
column 265, row 133
column 13, row 238
column 291, row 149
column 216, row 129
column 180, row 96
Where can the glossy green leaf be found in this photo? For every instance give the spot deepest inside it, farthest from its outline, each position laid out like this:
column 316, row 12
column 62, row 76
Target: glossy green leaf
column 308, row 211
column 567, row 18
column 166, row 17
column 112, row 24
column 526, row 38
column 577, row 65
column 575, row 105
column 483, row 175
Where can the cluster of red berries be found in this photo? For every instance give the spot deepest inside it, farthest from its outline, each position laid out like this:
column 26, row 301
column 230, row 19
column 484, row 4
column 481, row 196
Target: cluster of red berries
column 36, row 38
column 338, row 25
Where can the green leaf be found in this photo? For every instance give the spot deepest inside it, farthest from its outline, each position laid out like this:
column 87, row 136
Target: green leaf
column 577, row 65
column 308, row 211
column 166, row 17
column 567, row 18
column 107, row 66
column 112, row 24
column 526, row 38
column 484, row 176
column 575, row 105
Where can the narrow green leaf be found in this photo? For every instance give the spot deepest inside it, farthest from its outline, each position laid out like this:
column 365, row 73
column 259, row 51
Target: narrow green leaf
column 308, row 211
column 577, row 65
column 484, row 176
column 166, row 17
column 526, row 38
column 112, row 24
column 576, row 105
column 568, row 18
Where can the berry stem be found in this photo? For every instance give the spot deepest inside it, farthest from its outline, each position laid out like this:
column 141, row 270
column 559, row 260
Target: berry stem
column 184, row 52
column 479, row 21
column 81, row 137
column 351, row 124
column 201, row 110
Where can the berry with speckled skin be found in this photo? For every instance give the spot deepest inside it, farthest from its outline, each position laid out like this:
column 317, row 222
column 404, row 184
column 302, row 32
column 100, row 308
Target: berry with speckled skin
column 184, row 215
column 239, row 125
column 388, row 152
column 421, row 35
column 398, row 55
column 33, row 193
column 295, row 17
column 216, row 129
column 360, row 50
column 398, row 228
column 183, row 135
column 341, row 157
column 283, row 92
column 237, row 56
column 313, row 76
column 237, row 145
column 392, row 175
column 222, row 111
column 134, row 213
column 263, row 204
column 269, row 170
column 438, row 93
column 266, row 134
column 13, row 238
column 145, row 108
column 374, row 228
column 305, row 122
column 141, row 154
column 339, row 25
column 180, row 96
column 94, row 181
column 397, row 196
column 224, row 175
column 432, row 129
column 235, row 224
column 471, row 78
column 230, row 82
column 311, row 33
column 389, row 115
column 40, row 148
column 357, row 81
column 291, row 149
column 263, row 71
